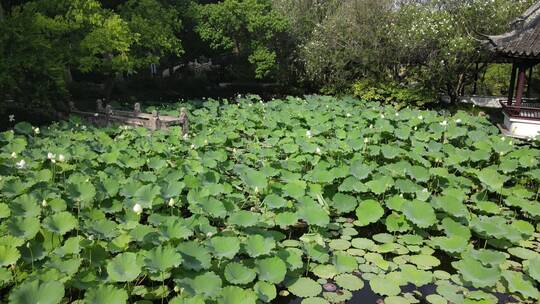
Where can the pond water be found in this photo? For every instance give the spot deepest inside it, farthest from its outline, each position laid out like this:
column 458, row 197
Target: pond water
column 367, row 296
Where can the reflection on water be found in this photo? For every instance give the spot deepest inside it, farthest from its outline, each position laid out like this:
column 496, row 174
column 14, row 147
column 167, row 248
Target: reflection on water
column 367, row 296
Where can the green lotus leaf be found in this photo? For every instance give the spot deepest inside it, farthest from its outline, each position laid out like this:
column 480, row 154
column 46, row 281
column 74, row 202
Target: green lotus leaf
column 349, row 282
column 523, row 253
column 292, row 257
column 344, row 262
column 8, row 255
column 453, row 244
column 25, row 206
column 517, row 282
column 453, row 228
column 175, row 230
column 451, row 205
column 271, row 269
column 161, row 259
column 491, row 178
column 533, row 268
column 285, row 219
column 81, row 191
column 360, row 170
column 344, row 203
column 420, row 213
column 25, row 228
column 33, row 292
column 60, row 223
column 194, row 256
column 254, row 179
column 106, row 294
column 265, row 291
column 325, row 271
column 146, row 194
column 488, row 257
column 273, row 201
column 237, row 273
column 380, row 185
column 314, row 301
column 436, row 299
column 225, row 247
column 384, row 286
column 257, row 245
column 474, row 272
column 295, row 188
column 207, row 284
column 237, row 295
column 244, row 218
column 368, row 211
column 305, row 288
column 123, row 267
column 415, row 276
column 339, row 244
column 314, row 215
column 363, row 243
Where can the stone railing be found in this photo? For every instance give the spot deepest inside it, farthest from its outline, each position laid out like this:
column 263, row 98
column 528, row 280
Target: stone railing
column 153, row 121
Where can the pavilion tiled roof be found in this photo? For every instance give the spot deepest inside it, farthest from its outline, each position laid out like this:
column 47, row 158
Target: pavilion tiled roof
column 524, row 40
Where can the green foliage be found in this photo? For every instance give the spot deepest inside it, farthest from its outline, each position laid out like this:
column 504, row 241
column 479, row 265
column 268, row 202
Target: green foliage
column 250, row 29
column 417, row 198
column 392, row 93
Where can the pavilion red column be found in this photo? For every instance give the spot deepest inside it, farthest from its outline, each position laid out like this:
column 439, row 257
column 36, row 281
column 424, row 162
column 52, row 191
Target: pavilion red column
column 522, row 81
column 512, row 84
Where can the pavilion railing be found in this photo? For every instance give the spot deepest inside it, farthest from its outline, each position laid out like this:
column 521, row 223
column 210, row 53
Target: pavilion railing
column 527, row 110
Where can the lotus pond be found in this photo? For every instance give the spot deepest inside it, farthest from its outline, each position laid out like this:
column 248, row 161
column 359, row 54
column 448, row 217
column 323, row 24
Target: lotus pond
column 313, row 199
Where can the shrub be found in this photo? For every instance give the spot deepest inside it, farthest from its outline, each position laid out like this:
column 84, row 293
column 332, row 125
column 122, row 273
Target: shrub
column 392, row 93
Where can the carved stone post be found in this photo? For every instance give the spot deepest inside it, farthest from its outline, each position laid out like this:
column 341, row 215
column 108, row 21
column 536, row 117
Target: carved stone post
column 184, row 121
column 136, row 108
column 108, row 114
column 154, row 122
column 99, row 106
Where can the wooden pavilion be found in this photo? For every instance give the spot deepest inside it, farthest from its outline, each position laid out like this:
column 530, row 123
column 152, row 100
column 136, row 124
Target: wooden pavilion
column 521, row 46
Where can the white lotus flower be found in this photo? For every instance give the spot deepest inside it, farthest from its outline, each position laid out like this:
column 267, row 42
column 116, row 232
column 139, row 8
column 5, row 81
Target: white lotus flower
column 21, row 164
column 318, row 150
column 415, row 128
column 424, row 190
column 371, row 126
column 61, row 158
column 444, row 123
column 91, row 237
column 366, row 140
column 420, row 117
column 308, row 134
column 503, row 138
column 96, row 114
column 36, row 130
column 44, row 203
column 349, row 114
column 83, row 127
column 382, row 116
column 209, row 234
column 206, row 141
column 510, row 143
column 13, row 155
column 397, row 114
column 192, row 147
column 186, row 136
column 137, row 208
column 11, row 118
column 458, row 121
column 171, row 202
column 51, row 156
column 256, row 189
